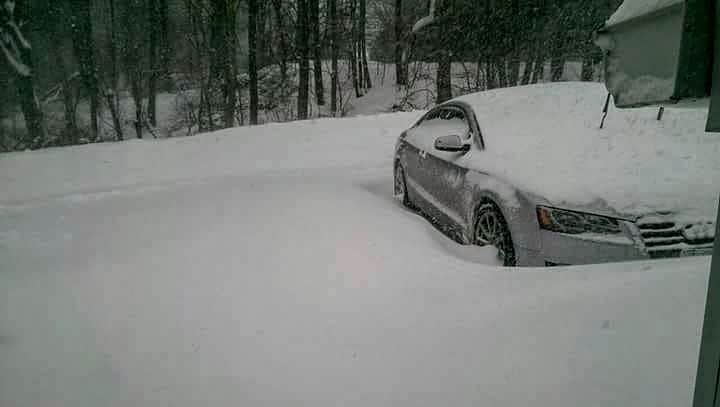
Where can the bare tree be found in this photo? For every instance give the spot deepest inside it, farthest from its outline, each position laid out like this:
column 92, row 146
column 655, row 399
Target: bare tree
column 252, row 59
column 367, row 82
column 303, row 53
column 316, row 50
column 282, row 37
column 69, row 97
column 223, row 52
column 528, row 69
column 539, row 68
column 154, row 56
column 111, row 94
column 16, row 51
column 353, row 50
column 67, row 88
column 165, row 48
column 443, row 80
column 334, row 38
column 133, row 57
column 83, row 44
column 401, row 73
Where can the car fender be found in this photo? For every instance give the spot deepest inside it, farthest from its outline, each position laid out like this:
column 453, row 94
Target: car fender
column 517, row 207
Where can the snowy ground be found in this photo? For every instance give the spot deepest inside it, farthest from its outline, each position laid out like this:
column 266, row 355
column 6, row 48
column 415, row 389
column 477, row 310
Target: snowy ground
column 270, row 266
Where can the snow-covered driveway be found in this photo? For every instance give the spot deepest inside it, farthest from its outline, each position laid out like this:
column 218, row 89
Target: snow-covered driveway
column 270, row 267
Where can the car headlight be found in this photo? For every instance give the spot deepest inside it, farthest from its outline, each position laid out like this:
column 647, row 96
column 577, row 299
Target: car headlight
column 564, row 221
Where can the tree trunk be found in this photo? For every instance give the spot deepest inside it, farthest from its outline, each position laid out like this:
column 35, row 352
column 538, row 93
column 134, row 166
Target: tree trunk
column 263, row 52
column 360, row 69
column 332, row 9
column 153, row 51
column 133, row 56
column 113, row 99
column 83, row 45
column 16, row 50
column 252, row 59
column 444, row 83
column 491, row 74
column 353, row 50
column 31, row 111
column 501, row 67
column 587, row 68
column 136, row 91
column 230, row 68
column 70, row 132
column 224, row 51
column 557, row 68
column 366, row 65
column 527, row 72
column 480, row 82
column 367, row 82
column 165, row 51
column 303, row 49
column 283, row 46
column 400, row 68
column 538, row 69
column 354, row 71
column 514, row 70
column 557, row 61
column 317, row 51
column 115, row 114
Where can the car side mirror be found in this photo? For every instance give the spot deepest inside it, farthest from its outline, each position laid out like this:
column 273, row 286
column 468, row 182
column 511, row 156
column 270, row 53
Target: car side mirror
column 453, row 144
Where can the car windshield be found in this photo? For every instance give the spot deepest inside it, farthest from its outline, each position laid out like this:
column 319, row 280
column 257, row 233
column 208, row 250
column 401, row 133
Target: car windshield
column 359, row 203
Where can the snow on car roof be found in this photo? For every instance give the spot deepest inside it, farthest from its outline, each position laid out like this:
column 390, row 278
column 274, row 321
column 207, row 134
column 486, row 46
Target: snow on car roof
column 631, row 9
column 546, row 139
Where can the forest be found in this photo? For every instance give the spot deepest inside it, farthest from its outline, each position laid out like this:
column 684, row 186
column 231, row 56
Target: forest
column 82, row 71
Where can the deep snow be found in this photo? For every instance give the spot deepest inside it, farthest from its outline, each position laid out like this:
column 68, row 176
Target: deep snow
column 270, row 266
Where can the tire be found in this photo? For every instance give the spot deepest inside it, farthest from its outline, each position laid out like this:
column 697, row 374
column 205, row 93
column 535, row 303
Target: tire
column 400, row 186
column 492, row 229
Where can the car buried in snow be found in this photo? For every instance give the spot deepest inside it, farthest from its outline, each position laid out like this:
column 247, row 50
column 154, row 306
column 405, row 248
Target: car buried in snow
column 530, row 170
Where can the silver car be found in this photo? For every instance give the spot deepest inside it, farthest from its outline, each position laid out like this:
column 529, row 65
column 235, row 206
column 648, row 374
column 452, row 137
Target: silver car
column 505, row 168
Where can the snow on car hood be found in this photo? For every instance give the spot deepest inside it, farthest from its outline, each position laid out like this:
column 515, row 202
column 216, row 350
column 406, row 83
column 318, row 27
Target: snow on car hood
column 546, row 140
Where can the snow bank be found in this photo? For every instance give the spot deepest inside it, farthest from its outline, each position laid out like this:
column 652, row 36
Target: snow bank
column 630, row 9
column 546, row 139
column 360, row 142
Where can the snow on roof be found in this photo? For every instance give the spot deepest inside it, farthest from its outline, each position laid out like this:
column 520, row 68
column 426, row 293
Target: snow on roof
column 630, row 9
column 546, row 139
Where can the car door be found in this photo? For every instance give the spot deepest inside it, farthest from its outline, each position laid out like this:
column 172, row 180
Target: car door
column 446, row 171
column 420, row 139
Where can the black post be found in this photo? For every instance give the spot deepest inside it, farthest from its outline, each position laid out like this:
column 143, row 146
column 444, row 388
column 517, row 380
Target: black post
column 713, row 123
column 706, row 381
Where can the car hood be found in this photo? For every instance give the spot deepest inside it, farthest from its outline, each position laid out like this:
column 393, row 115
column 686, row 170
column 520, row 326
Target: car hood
column 546, row 140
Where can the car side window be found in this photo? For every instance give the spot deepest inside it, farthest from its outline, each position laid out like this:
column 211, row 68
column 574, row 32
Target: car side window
column 446, row 117
column 455, row 121
column 434, row 115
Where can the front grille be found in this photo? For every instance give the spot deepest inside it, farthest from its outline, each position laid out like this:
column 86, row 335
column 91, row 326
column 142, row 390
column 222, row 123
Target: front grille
column 665, row 238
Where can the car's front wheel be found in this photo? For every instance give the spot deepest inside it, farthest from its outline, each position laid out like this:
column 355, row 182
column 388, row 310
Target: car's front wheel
column 491, row 229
